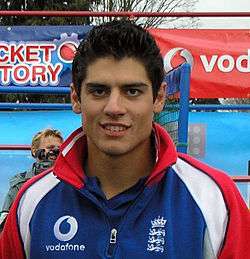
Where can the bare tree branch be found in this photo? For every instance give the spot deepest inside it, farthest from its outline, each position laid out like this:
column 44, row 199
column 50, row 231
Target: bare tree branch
column 165, row 6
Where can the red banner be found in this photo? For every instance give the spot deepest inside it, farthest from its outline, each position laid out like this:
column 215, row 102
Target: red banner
column 220, row 59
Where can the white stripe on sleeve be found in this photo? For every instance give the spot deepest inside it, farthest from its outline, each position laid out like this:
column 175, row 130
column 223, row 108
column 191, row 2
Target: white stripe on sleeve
column 27, row 205
column 208, row 197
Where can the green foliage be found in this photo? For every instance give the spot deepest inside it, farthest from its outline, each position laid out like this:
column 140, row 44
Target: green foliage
column 44, row 5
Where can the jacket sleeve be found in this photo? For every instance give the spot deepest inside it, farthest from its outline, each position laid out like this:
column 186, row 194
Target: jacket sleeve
column 10, row 197
column 11, row 242
column 16, row 183
column 235, row 244
column 237, row 240
column 11, row 246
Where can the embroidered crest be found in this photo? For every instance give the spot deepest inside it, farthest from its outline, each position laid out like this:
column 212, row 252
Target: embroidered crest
column 156, row 236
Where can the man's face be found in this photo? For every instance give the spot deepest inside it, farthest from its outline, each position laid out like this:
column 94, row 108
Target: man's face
column 49, row 143
column 117, row 106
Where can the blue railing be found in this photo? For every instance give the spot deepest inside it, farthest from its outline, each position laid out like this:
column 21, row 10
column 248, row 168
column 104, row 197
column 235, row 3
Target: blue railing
column 67, row 106
column 34, row 90
column 209, row 107
column 35, row 106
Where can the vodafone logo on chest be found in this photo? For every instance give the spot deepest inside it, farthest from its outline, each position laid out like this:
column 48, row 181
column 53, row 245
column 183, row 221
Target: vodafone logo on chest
column 65, row 229
column 73, row 227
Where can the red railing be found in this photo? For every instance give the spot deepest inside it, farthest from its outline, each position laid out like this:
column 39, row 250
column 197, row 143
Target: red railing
column 241, row 179
column 14, row 147
column 121, row 14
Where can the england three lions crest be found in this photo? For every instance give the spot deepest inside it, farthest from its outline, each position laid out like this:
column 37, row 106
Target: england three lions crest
column 156, row 236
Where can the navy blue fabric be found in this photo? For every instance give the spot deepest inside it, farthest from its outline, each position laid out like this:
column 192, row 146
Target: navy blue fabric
column 117, row 206
column 168, row 200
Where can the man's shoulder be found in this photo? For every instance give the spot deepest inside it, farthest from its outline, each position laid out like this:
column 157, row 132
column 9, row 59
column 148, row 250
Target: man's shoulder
column 212, row 172
column 18, row 179
column 199, row 174
column 37, row 188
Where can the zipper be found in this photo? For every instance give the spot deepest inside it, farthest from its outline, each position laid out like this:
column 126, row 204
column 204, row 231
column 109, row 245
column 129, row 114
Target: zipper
column 114, row 231
column 113, row 236
column 112, row 242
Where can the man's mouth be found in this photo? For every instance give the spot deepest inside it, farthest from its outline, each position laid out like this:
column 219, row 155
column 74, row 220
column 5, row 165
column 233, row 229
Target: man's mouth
column 114, row 128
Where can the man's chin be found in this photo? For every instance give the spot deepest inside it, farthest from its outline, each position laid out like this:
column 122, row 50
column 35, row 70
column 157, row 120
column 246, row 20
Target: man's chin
column 114, row 151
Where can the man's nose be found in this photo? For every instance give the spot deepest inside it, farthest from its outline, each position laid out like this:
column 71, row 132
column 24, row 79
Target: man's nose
column 115, row 104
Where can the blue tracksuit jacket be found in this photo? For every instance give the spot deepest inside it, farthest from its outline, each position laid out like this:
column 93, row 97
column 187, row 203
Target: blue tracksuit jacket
column 185, row 210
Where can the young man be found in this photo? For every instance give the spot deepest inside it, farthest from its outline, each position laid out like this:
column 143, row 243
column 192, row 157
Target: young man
column 45, row 149
column 118, row 188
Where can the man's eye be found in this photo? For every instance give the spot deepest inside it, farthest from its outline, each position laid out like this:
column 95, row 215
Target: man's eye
column 133, row 92
column 98, row 92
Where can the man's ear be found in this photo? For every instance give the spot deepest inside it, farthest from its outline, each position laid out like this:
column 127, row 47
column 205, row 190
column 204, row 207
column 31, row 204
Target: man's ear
column 160, row 98
column 75, row 99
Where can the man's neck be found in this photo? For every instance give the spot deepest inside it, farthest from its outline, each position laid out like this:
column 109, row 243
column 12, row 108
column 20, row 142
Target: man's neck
column 118, row 173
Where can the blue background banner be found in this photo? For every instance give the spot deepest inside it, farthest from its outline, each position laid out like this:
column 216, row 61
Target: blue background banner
column 226, row 140
column 38, row 55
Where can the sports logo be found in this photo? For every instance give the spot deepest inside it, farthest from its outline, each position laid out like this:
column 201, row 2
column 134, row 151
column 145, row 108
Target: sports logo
column 172, row 54
column 66, row 47
column 45, row 63
column 157, row 235
column 73, row 227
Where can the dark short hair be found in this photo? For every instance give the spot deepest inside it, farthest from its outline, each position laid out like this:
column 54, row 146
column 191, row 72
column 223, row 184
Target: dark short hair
column 119, row 39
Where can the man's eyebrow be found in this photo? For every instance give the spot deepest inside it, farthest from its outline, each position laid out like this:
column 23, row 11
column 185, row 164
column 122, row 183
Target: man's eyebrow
column 95, row 84
column 136, row 84
column 126, row 85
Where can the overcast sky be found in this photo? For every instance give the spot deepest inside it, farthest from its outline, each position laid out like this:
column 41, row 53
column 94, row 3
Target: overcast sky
column 224, row 6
